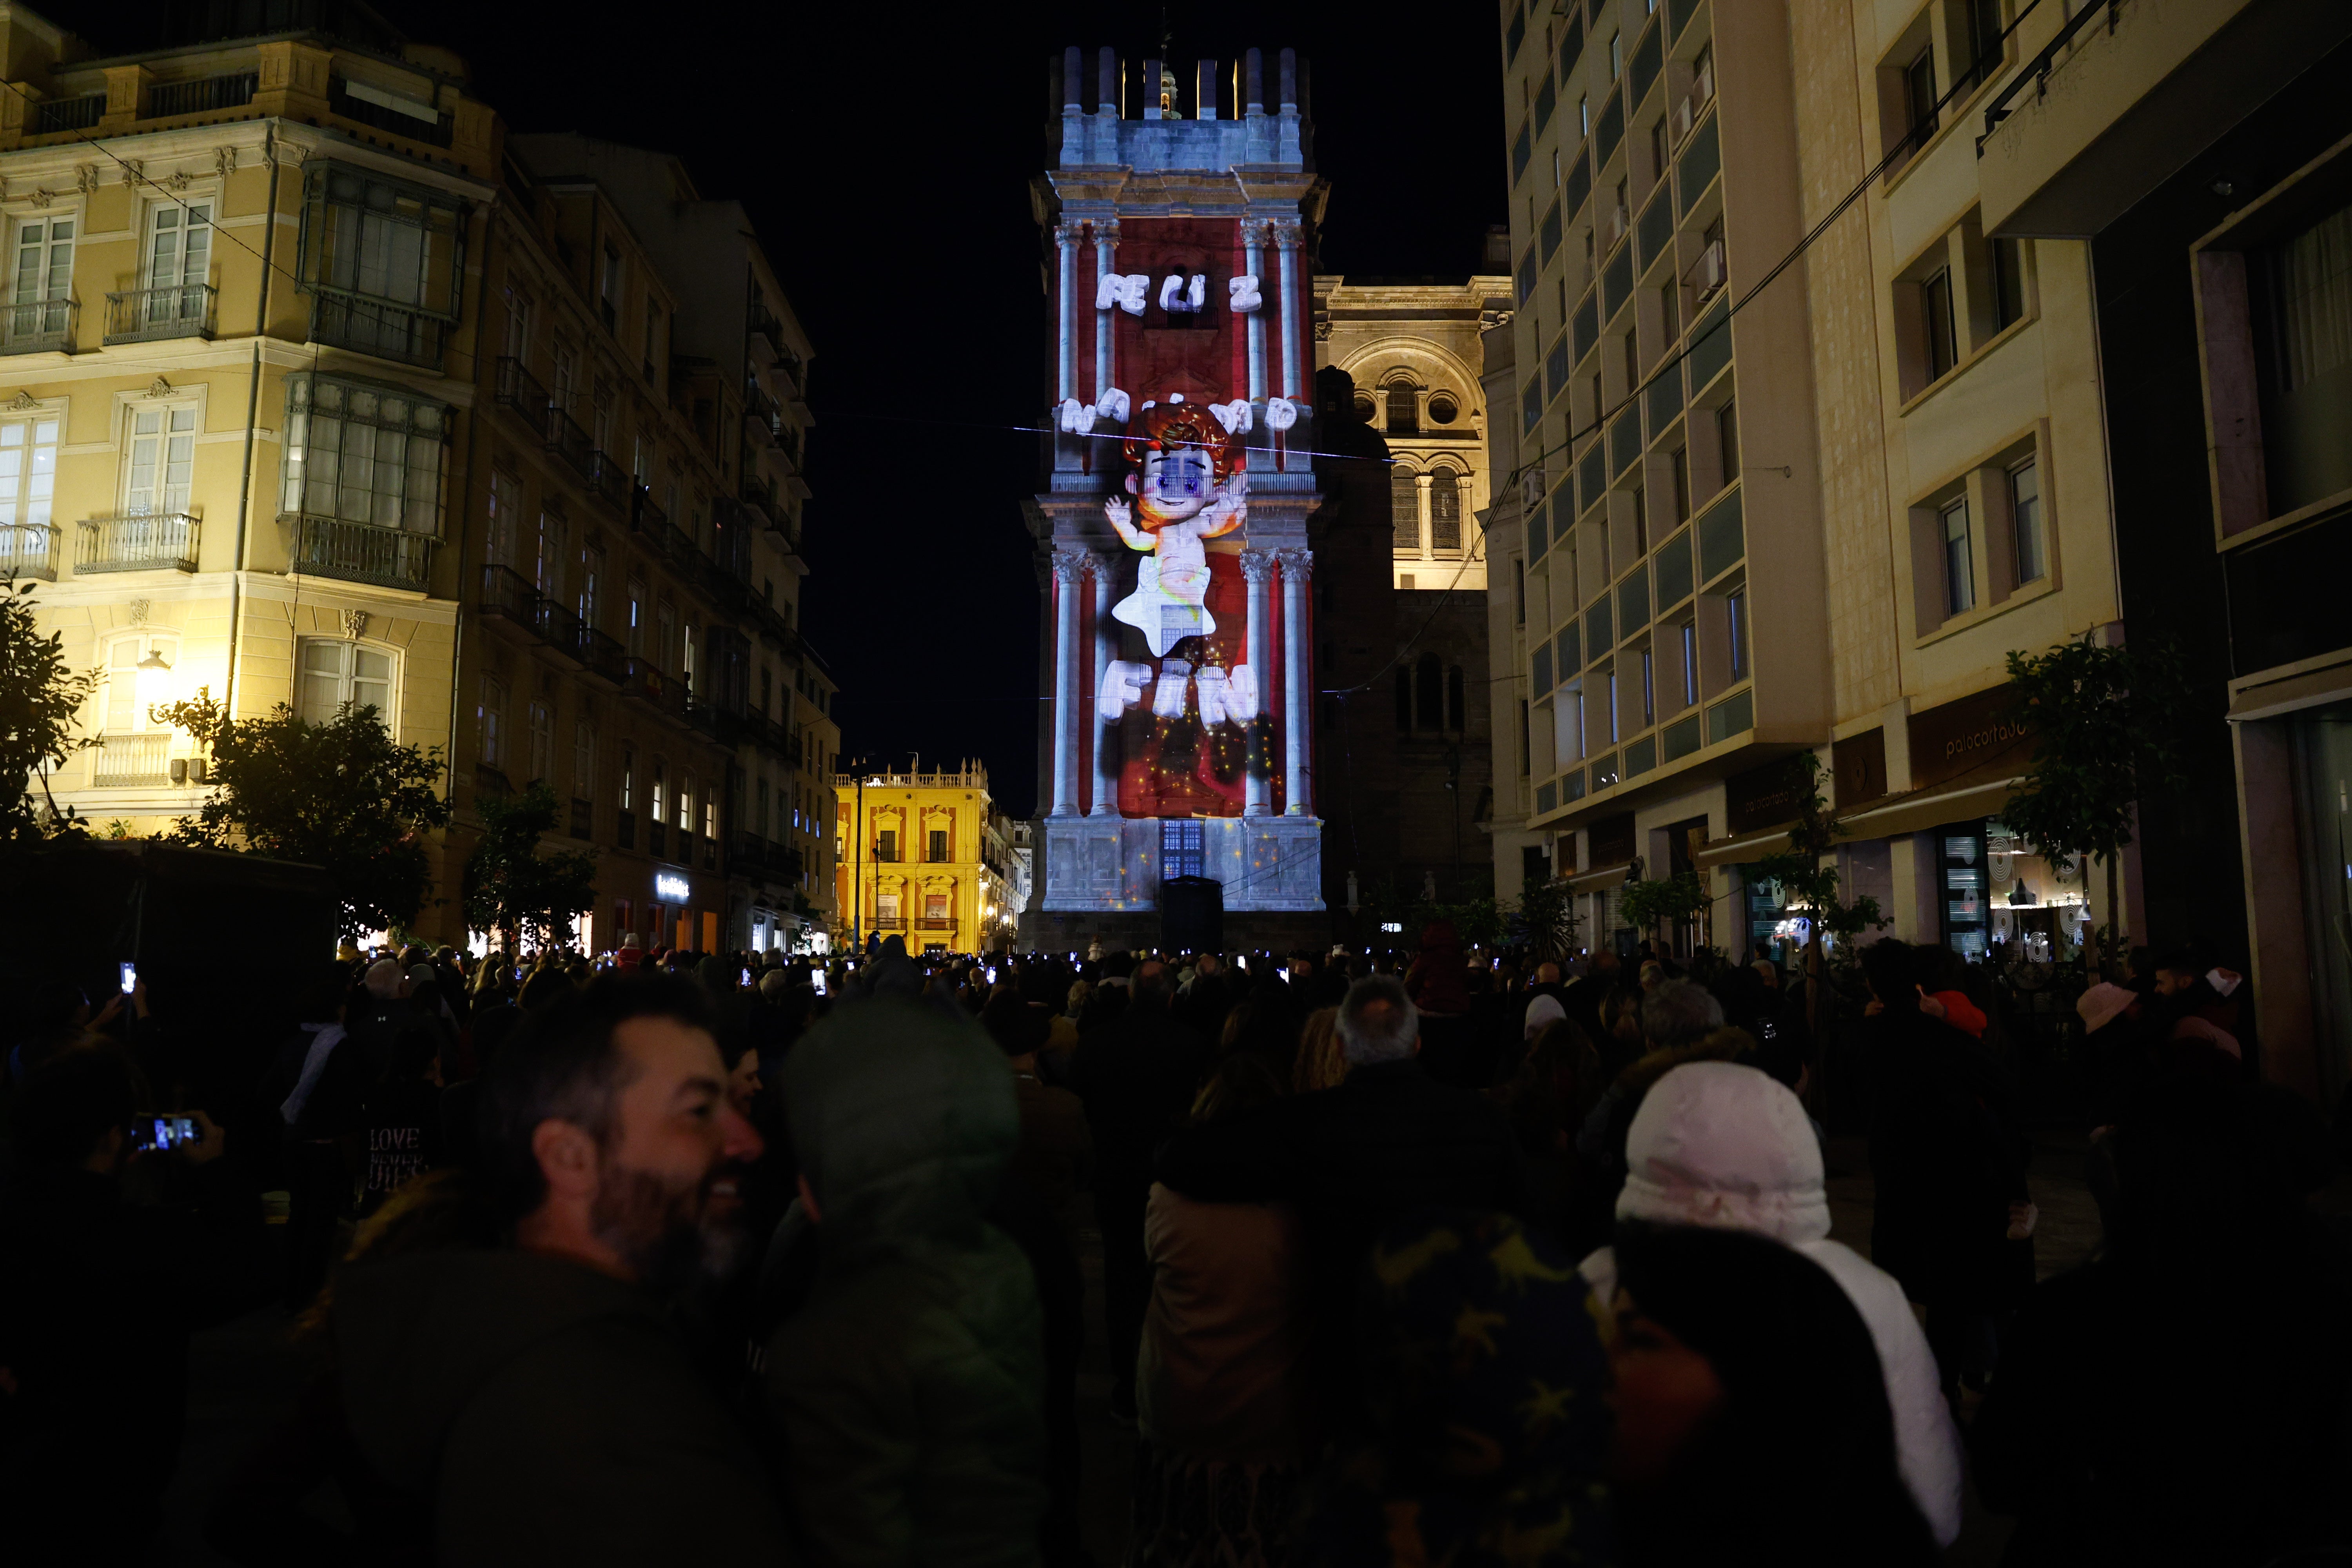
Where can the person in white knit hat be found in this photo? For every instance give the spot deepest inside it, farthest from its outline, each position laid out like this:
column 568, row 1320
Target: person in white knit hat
column 1725, row 1146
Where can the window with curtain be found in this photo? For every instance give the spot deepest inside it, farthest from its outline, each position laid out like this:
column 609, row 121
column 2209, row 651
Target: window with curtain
column 356, row 452
column 40, row 294
column 330, row 672
column 29, row 472
column 490, row 718
column 938, row 845
column 1445, row 509
column 1404, row 506
column 543, row 742
column 505, row 507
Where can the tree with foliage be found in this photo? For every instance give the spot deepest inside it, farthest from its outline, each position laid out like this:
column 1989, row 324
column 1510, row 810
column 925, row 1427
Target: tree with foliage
column 2106, row 724
column 1546, row 919
column 511, row 887
column 1646, row 905
column 39, row 700
column 343, row 796
column 1806, row 884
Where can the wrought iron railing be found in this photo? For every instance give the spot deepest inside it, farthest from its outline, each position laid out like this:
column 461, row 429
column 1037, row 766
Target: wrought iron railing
column 201, row 96
column 377, row 327
column 164, row 539
column 506, row 592
column 934, row 922
column 36, row 326
column 608, row 481
column 568, row 441
column 148, row 315
column 121, row 762
column 28, row 549
column 361, row 552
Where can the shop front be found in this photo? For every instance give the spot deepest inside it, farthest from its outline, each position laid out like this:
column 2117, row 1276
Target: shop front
column 678, row 913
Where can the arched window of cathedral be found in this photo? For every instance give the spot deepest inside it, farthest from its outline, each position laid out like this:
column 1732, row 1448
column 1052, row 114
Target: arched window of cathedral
column 1443, row 408
column 1404, row 413
column 1445, row 509
column 1429, row 680
column 1404, row 506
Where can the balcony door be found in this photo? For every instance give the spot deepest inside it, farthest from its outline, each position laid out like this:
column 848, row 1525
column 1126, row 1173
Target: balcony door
column 43, row 282
column 159, row 458
column 179, row 262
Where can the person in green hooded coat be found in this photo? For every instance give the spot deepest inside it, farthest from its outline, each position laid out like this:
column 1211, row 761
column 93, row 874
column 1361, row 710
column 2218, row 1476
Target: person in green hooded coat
column 908, row 1390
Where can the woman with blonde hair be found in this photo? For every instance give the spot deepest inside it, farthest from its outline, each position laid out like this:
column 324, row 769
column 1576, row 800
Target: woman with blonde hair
column 1322, row 1061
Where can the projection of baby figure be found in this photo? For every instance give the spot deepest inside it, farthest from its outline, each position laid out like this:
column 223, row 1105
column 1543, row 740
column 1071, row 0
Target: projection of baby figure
column 1189, row 488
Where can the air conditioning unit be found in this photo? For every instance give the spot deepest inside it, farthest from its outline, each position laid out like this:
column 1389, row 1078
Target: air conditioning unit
column 1678, row 123
column 1707, row 277
column 1531, row 488
column 1701, row 90
column 1613, row 228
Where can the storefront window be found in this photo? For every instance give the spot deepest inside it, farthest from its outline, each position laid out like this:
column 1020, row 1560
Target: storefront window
column 1960, row 852
column 2323, row 757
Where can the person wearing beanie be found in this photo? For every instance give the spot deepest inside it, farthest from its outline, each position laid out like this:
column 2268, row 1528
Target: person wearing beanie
column 1725, row 1145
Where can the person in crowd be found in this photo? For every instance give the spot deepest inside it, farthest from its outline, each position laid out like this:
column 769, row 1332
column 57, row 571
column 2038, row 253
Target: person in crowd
column 1203, row 1002
column 1725, row 1145
column 1944, row 982
column 1554, row 1089
column 55, row 1015
column 318, row 1082
column 1322, row 1059
column 906, row 1390
column 2184, row 1397
column 535, row 1397
column 1621, row 1039
column 99, row 1294
column 1486, row 1384
column 1217, row 1472
column 1137, row 1078
column 1948, row 1168
column 1752, row 1422
column 1057, row 1149
column 1434, row 981
column 400, row 1119
column 1387, row 1139
column 1680, row 1022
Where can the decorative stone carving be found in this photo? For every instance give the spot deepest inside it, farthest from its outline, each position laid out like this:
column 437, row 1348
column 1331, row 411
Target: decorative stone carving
column 1066, row 235
column 355, row 623
column 223, row 160
column 1298, row 565
column 134, row 172
column 85, row 178
column 180, row 180
column 1257, row 566
column 1069, row 566
column 158, row 387
column 1322, row 331
column 22, row 402
column 43, row 197
column 138, row 612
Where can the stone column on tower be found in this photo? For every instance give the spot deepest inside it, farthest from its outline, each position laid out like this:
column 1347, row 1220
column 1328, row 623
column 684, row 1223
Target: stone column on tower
column 1298, row 568
column 1422, row 483
column 1065, row 242
column 1068, row 566
column 1103, row 570
column 1254, row 261
column 1257, row 571
column 1106, row 263
column 1287, row 238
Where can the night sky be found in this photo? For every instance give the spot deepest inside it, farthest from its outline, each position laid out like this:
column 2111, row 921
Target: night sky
column 884, row 153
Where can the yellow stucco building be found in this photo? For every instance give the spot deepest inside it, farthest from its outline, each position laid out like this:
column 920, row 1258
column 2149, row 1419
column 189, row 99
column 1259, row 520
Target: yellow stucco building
column 316, row 388
column 926, row 858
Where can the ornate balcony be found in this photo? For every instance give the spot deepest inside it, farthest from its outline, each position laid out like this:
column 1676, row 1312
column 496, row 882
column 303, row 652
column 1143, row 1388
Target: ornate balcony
column 157, row 541
column 28, row 549
column 150, row 315
column 361, row 553
column 39, row 326
column 130, row 762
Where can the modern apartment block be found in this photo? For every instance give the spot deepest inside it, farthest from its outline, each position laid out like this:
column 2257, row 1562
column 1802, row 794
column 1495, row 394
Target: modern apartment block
column 319, row 392
column 1806, row 448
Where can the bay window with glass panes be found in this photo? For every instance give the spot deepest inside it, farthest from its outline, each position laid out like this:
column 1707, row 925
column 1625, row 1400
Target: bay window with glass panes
column 383, row 262
column 362, row 478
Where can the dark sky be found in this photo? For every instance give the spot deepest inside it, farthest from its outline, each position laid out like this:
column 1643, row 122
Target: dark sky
column 885, row 152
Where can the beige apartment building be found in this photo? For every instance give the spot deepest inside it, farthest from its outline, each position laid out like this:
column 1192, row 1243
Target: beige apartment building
column 1779, row 496
column 314, row 391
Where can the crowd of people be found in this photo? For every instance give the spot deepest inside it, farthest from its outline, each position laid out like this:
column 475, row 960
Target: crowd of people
column 1443, row 1258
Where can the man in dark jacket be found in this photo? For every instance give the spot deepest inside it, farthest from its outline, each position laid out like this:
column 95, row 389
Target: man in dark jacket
column 1138, row 1078
column 1354, row 1158
column 536, row 1397
column 1947, row 1164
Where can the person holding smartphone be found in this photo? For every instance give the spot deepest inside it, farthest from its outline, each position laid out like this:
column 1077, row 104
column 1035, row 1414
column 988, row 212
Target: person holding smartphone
column 99, row 1293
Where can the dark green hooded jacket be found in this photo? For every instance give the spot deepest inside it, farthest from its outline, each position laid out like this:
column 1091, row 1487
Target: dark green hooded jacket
column 908, row 1390
column 545, row 1413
